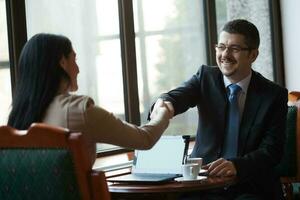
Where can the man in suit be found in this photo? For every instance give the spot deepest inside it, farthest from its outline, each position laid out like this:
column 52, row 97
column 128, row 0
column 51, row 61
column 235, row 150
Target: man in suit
column 244, row 138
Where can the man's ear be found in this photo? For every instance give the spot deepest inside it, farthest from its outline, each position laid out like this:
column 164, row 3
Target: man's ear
column 63, row 63
column 254, row 55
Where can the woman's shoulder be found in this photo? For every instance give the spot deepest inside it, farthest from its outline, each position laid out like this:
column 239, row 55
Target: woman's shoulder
column 74, row 101
column 68, row 110
column 65, row 108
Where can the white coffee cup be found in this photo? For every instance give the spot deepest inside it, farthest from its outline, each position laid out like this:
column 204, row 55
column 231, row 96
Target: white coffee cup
column 190, row 171
column 195, row 161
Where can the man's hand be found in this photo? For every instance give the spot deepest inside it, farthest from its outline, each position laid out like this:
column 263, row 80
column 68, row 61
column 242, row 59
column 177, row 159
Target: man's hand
column 221, row 167
column 160, row 103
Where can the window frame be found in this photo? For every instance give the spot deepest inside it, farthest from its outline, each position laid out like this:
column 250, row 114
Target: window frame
column 17, row 34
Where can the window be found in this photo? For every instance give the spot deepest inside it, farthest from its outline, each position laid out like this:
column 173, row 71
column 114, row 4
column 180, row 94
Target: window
column 93, row 28
column 5, row 84
column 161, row 47
column 170, row 46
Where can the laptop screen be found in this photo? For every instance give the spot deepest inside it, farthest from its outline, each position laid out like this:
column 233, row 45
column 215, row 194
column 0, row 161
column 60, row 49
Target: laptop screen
column 165, row 157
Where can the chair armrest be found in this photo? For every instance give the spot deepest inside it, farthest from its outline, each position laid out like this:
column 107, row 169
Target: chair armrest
column 99, row 186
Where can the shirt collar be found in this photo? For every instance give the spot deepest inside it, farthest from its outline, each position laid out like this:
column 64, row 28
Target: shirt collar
column 244, row 83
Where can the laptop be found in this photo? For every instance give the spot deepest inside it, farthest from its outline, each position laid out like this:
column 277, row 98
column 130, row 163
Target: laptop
column 159, row 164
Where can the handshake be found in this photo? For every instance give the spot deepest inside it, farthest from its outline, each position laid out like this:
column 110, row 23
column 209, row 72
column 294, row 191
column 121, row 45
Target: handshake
column 162, row 108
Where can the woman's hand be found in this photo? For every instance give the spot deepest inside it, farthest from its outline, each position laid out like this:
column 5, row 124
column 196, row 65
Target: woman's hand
column 160, row 107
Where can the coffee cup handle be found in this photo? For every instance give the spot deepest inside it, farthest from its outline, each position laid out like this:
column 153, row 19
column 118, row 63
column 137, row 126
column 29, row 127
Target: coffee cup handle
column 192, row 170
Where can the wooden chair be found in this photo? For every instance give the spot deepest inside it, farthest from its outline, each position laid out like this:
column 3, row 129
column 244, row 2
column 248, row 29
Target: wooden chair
column 47, row 163
column 294, row 96
column 289, row 168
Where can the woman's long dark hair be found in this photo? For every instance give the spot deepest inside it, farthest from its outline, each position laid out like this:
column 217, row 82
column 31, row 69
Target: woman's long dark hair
column 39, row 78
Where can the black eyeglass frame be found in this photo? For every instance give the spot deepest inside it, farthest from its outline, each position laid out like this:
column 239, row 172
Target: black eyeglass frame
column 233, row 48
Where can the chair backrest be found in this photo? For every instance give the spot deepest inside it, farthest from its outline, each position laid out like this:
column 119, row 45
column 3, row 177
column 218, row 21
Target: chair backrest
column 289, row 167
column 294, row 96
column 46, row 163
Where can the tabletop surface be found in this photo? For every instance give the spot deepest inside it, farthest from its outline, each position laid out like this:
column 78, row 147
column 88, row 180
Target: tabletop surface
column 172, row 186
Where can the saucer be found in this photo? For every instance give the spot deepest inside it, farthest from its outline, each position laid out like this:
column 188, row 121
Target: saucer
column 199, row 178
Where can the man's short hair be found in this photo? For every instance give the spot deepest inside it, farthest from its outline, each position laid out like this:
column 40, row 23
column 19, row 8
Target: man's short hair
column 245, row 28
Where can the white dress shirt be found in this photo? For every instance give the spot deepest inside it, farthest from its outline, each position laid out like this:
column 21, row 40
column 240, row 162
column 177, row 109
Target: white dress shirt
column 244, row 84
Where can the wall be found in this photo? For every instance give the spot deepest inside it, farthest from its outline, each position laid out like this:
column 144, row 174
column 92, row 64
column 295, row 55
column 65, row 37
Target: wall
column 291, row 42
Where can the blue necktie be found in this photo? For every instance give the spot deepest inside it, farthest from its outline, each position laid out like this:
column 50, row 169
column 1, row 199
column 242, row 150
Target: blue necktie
column 231, row 139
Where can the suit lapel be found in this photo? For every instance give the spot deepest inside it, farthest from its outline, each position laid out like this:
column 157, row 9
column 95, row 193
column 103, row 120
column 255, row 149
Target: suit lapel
column 222, row 103
column 253, row 101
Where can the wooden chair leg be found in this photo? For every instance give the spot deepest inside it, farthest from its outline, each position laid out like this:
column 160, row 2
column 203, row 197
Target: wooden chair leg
column 288, row 191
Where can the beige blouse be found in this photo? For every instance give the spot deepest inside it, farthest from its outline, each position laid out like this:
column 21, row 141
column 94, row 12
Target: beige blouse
column 78, row 113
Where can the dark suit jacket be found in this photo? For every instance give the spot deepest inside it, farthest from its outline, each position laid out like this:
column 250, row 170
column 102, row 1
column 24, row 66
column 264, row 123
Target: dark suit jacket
column 262, row 128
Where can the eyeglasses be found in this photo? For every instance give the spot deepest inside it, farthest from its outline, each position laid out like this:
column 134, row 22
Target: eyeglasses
column 233, row 48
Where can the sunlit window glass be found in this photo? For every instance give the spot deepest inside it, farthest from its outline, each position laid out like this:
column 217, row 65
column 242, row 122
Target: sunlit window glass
column 170, row 48
column 258, row 12
column 93, row 27
column 5, row 82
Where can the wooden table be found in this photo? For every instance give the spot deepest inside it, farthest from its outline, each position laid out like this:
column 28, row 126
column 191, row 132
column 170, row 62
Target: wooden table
column 169, row 190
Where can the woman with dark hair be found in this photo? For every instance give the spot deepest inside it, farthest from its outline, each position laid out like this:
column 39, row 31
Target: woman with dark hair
column 47, row 71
